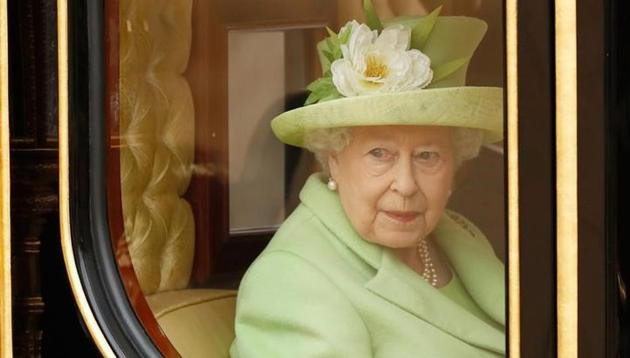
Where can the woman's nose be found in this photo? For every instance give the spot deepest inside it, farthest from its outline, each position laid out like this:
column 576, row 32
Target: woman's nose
column 404, row 182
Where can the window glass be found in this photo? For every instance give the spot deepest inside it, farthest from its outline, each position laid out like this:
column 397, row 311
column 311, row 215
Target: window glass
column 200, row 183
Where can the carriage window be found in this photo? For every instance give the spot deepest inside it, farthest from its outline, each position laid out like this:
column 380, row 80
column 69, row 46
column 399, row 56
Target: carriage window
column 198, row 183
column 259, row 88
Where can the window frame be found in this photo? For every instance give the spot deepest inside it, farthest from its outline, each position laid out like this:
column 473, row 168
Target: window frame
column 532, row 129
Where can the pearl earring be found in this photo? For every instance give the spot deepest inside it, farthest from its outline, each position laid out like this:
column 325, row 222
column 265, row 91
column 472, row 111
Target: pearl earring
column 332, row 184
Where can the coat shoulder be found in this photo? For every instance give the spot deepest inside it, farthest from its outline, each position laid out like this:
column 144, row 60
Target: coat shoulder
column 304, row 235
column 463, row 223
column 284, row 308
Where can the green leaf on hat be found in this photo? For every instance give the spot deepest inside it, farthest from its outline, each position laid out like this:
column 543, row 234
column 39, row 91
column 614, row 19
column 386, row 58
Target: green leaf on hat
column 329, row 51
column 312, row 98
column 331, row 33
column 319, row 84
column 331, row 95
column 422, row 30
column 330, row 43
column 330, row 48
column 322, row 89
column 372, row 19
column 446, row 69
column 329, row 56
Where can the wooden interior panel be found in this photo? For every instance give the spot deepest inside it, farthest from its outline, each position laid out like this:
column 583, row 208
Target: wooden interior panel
column 207, row 74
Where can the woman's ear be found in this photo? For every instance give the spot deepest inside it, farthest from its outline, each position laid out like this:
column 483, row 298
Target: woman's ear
column 333, row 164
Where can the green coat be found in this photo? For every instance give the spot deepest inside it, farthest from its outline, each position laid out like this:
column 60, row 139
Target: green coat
column 319, row 290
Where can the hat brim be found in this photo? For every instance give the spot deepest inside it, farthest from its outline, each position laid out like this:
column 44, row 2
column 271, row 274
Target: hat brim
column 468, row 106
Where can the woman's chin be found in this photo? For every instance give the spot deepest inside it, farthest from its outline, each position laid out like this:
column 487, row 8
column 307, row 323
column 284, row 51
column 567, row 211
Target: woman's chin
column 398, row 234
column 398, row 239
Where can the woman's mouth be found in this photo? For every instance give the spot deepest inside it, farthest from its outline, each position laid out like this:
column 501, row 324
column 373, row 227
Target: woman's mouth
column 402, row 216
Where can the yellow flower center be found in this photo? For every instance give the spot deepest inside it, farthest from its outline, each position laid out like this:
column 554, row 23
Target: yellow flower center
column 375, row 68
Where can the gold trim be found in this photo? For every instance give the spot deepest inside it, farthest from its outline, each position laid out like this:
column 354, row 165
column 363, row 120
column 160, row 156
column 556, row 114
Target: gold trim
column 6, row 343
column 514, row 304
column 566, row 177
column 64, row 187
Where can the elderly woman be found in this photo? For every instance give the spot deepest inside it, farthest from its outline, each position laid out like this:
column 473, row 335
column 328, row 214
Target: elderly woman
column 371, row 264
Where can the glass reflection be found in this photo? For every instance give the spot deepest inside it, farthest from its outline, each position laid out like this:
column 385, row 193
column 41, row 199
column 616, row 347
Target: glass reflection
column 204, row 183
column 157, row 128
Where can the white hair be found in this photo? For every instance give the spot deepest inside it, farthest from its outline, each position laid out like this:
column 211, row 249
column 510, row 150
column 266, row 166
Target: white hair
column 325, row 141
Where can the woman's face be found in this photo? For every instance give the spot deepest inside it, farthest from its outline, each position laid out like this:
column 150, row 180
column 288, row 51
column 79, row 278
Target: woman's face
column 394, row 181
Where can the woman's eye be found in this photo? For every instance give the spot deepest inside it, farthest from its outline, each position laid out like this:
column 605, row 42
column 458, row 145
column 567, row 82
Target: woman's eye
column 428, row 157
column 380, row 153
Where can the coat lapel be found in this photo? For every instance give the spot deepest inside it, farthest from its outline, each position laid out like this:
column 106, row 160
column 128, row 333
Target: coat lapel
column 326, row 206
column 399, row 285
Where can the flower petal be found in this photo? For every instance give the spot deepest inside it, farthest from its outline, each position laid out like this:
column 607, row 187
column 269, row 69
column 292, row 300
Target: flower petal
column 422, row 72
column 350, row 24
column 360, row 39
column 374, row 63
column 344, row 77
column 395, row 37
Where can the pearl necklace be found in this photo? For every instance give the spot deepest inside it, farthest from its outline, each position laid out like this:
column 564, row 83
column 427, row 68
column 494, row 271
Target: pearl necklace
column 429, row 273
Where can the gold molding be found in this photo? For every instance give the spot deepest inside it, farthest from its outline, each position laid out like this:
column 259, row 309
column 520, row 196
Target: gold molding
column 64, row 187
column 566, row 177
column 6, row 332
column 514, row 304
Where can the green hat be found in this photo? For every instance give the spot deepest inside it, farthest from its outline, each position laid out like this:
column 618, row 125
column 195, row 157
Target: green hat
column 440, row 96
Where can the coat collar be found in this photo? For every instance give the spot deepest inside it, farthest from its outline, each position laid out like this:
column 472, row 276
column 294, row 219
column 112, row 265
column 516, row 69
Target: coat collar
column 326, row 206
column 469, row 253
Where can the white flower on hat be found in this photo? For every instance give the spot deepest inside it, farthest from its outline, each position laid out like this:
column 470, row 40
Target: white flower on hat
column 373, row 63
